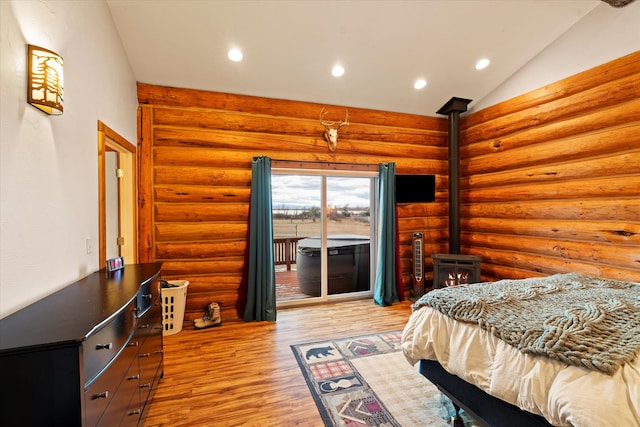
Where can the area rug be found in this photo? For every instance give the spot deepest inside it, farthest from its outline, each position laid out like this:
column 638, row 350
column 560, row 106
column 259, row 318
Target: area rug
column 366, row 381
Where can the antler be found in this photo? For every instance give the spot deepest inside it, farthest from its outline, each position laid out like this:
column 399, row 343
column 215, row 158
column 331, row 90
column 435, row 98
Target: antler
column 323, row 113
column 346, row 119
column 331, row 133
column 328, row 124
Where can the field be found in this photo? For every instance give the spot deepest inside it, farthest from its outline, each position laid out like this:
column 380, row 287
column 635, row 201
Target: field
column 307, row 227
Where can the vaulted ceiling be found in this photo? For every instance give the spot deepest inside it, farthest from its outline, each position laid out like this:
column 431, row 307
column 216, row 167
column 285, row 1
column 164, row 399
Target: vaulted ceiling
column 290, row 47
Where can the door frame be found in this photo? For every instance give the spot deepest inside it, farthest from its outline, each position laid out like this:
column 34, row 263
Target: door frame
column 110, row 140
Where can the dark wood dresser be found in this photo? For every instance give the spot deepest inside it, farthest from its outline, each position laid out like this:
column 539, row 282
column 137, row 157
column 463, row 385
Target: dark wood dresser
column 87, row 355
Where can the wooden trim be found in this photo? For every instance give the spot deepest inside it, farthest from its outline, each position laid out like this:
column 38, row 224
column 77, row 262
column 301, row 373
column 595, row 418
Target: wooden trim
column 294, row 164
column 145, row 184
column 110, row 140
column 116, row 137
column 102, row 200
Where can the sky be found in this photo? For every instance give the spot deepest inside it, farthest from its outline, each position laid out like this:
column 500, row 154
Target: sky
column 299, row 191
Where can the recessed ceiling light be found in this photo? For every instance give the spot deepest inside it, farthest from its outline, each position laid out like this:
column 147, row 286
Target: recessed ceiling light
column 235, row 55
column 420, row 83
column 337, row 71
column 482, row 64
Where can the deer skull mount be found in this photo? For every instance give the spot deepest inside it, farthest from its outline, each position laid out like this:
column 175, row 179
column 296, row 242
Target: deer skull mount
column 331, row 130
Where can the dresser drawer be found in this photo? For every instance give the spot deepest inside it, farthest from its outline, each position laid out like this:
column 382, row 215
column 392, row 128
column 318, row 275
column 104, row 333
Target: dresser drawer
column 101, row 347
column 134, row 412
column 118, row 412
column 150, row 358
column 150, row 353
column 150, row 323
column 149, row 293
column 105, row 388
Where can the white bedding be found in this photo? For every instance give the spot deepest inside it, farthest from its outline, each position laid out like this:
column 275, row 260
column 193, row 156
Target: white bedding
column 565, row 395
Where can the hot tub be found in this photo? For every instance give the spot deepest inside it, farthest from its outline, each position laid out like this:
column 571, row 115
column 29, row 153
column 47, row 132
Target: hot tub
column 347, row 264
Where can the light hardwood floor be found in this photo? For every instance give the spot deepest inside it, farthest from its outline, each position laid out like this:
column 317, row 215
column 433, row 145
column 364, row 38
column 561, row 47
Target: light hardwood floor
column 245, row 374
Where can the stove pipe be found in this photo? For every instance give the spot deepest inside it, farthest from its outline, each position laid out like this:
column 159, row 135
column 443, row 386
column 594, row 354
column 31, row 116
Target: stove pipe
column 452, row 109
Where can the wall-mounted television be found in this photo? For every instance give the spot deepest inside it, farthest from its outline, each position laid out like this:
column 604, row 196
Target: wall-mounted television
column 415, row 188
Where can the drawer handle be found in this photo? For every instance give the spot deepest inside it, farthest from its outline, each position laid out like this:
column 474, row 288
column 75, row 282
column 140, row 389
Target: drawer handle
column 136, row 412
column 102, row 395
column 147, row 296
column 158, row 352
column 137, row 309
column 145, row 355
column 134, row 377
column 107, row 346
column 145, row 385
column 145, row 326
column 133, row 344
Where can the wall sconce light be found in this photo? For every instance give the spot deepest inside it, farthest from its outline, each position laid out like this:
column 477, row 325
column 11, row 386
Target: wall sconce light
column 45, row 80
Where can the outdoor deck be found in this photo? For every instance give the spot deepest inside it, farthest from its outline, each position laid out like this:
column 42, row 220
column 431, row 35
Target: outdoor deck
column 287, row 285
column 285, row 251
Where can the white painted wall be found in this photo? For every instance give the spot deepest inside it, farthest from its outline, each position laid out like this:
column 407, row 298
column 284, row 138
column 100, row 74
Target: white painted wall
column 606, row 33
column 48, row 173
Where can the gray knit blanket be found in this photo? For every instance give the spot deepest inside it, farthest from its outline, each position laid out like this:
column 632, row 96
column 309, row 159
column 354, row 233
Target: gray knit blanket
column 577, row 319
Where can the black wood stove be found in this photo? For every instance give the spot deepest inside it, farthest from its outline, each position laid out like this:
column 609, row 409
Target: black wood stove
column 453, row 269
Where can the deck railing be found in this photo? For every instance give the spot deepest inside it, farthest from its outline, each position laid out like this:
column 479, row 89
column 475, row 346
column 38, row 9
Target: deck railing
column 285, row 250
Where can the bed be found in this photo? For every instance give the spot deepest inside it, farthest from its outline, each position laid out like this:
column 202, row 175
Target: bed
column 562, row 350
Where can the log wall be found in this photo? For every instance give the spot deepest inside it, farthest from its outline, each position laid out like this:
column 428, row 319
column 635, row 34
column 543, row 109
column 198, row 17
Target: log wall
column 551, row 179
column 196, row 149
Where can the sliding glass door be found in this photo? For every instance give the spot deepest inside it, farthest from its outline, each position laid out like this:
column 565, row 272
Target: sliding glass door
column 297, row 224
column 324, row 234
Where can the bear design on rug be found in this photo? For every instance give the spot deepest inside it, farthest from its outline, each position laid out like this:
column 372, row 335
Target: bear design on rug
column 319, row 352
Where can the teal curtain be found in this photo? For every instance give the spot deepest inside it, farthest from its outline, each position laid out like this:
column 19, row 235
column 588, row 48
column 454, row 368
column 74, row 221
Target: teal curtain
column 385, row 288
column 260, row 275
